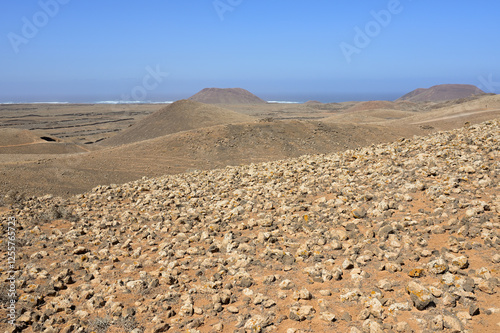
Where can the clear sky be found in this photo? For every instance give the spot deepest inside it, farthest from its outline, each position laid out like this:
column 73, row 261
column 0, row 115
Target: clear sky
column 84, row 50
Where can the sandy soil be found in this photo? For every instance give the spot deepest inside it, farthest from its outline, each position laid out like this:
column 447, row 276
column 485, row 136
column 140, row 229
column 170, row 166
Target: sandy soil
column 152, row 140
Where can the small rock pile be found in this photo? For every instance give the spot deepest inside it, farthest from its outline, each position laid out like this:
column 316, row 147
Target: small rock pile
column 400, row 237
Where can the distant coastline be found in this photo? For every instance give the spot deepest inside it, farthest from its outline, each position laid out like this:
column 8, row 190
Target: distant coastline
column 96, row 102
column 126, row 102
column 270, row 98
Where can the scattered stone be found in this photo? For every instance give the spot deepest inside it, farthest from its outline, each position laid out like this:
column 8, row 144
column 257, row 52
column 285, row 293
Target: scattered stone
column 302, row 294
column 346, row 317
column 416, row 272
column 461, row 262
column 328, row 317
column 245, row 282
column 347, row 264
column 219, row 327
column 232, row 309
column 420, row 295
column 286, row 285
column 80, row 250
column 437, row 323
column 325, row 293
column 364, row 314
column 486, row 286
column 301, row 313
column 375, row 307
column 400, row 307
column 474, row 309
column 288, row 260
column 403, row 327
column 496, row 258
column 159, row 328
column 436, row 292
column 256, row 250
column 438, row 266
column 372, row 326
column 449, row 300
column 464, row 317
column 255, row 324
column 452, row 323
column 359, row 213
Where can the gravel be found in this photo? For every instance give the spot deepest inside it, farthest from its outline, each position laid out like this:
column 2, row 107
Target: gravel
column 396, row 237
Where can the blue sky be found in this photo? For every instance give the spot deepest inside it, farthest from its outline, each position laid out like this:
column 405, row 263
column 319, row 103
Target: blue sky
column 278, row 49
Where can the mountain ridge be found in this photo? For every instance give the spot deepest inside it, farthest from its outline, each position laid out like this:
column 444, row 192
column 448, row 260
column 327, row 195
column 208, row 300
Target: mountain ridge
column 179, row 116
column 226, row 96
column 441, row 92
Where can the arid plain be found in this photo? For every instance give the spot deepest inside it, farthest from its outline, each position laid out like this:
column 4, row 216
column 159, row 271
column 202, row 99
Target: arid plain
column 247, row 216
column 68, row 149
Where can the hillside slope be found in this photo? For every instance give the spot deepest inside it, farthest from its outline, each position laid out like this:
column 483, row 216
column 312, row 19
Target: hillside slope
column 180, row 116
column 226, row 96
column 202, row 149
column 399, row 237
column 441, row 92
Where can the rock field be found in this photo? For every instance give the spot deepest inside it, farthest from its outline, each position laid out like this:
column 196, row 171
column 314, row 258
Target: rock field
column 399, row 237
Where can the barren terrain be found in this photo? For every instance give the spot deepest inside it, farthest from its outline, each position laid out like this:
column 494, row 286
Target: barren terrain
column 399, row 237
column 342, row 217
column 442, row 92
column 92, row 145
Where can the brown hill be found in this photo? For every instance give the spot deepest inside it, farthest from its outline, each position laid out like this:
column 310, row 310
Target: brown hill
column 232, row 144
column 453, row 114
column 21, row 141
column 409, row 96
column 180, row 116
column 15, row 136
column 442, row 92
column 368, row 116
column 226, row 96
column 373, row 112
column 202, row 149
column 430, row 116
column 373, row 105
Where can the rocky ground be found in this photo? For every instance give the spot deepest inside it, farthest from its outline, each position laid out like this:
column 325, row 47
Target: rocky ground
column 400, row 237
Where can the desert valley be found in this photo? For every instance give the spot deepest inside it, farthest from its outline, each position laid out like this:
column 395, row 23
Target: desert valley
column 222, row 212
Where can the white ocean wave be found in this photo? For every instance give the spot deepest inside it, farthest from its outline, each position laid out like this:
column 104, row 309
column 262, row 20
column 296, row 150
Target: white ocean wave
column 98, row 102
column 284, row 102
column 48, row 103
column 130, row 102
column 34, row 103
